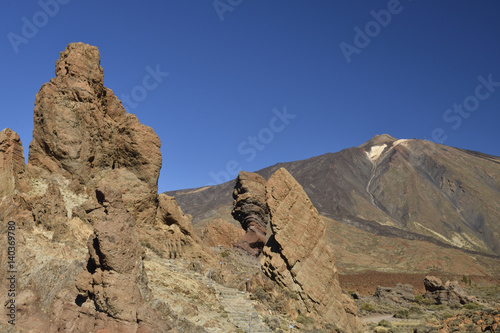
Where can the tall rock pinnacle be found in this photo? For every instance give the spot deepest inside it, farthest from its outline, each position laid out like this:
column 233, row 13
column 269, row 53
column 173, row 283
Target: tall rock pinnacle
column 82, row 131
column 250, row 209
column 298, row 257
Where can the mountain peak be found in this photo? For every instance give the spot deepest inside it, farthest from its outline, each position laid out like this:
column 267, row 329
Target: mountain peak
column 378, row 140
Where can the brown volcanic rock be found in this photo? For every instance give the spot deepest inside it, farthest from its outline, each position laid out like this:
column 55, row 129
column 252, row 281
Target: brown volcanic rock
column 11, row 163
column 299, row 259
column 49, row 211
column 447, row 293
column 219, row 232
column 173, row 235
column 250, row 209
column 82, row 131
column 114, row 282
column 92, row 171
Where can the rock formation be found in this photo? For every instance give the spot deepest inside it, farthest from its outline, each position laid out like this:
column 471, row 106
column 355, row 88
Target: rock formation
column 84, row 139
column 114, row 284
column 181, row 240
column 299, row 259
column 250, row 209
column 219, row 232
column 82, row 132
column 83, row 206
column 447, row 293
column 401, row 293
column 11, row 163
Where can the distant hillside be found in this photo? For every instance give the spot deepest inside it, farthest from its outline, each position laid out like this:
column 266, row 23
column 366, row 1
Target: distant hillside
column 411, row 189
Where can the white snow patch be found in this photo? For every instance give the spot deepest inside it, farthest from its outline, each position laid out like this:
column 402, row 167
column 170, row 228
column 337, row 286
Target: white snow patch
column 397, row 142
column 375, row 152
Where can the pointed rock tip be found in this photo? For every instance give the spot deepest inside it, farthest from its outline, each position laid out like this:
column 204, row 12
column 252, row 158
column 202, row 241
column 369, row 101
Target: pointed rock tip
column 8, row 133
column 379, row 140
column 80, row 60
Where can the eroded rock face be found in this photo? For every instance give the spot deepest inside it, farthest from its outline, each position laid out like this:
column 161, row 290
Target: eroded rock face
column 219, row 232
column 449, row 292
column 174, row 236
column 250, row 209
column 83, row 206
column 114, row 282
column 82, row 132
column 298, row 258
column 11, row 163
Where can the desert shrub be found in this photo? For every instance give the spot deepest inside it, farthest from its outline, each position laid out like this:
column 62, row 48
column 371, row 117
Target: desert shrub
column 471, row 306
column 273, row 323
column 446, row 315
column 224, row 314
column 385, row 323
column 402, row 314
column 380, row 329
column 304, row 320
column 415, row 309
column 368, row 307
column 225, row 254
column 332, row 328
column 419, row 298
column 260, row 294
column 291, row 294
column 428, row 301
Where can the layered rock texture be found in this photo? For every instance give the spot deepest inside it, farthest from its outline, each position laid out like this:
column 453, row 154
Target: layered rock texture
column 250, row 209
column 11, row 163
column 298, row 257
column 85, row 208
column 83, row 133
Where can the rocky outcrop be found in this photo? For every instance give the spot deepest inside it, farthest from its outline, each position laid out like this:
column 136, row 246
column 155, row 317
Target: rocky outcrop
column 82, row 132
column 221, row 233
column 250, row 209
column 83, row 206
column 445, row 293
column 299, row 259
column 173, row 235
column 114, row 283
column 11, row 163
column 400, row 294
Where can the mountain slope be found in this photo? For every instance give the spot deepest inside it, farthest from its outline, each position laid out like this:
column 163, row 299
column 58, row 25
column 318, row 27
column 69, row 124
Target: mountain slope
column 412, row 189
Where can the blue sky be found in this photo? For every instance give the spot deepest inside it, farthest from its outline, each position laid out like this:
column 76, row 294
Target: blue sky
column 254, row 83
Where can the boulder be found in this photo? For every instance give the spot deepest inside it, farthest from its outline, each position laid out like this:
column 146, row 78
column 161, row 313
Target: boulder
column 250, row 209
column 447, row 293
column 401, row 293
column 298, row 258
column 432, row 283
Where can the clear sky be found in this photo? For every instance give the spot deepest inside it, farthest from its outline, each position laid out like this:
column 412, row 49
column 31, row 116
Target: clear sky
column 255, row 82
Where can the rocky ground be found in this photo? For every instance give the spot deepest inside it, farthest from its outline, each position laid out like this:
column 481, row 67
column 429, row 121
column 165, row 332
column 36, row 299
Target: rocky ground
column 194, row 296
